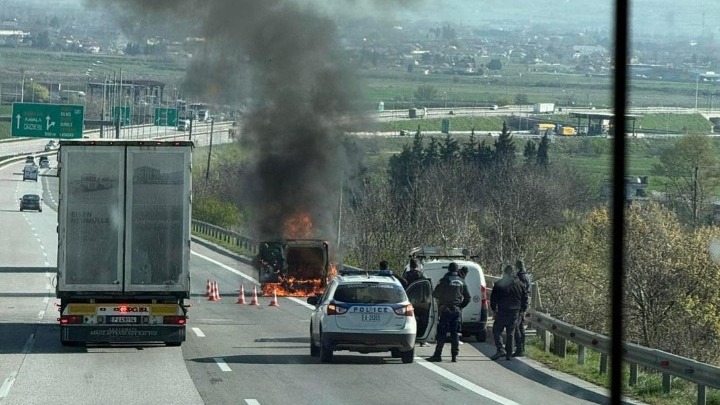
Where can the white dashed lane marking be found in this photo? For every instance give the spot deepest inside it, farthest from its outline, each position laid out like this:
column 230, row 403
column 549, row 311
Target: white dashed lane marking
column 198, row 332
column 221, row 363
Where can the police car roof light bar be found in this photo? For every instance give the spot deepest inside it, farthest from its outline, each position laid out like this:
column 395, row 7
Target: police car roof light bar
column 361, row 272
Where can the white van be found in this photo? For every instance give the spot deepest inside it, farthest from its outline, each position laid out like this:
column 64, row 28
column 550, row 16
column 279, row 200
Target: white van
column 475, row 315
column 183, row 125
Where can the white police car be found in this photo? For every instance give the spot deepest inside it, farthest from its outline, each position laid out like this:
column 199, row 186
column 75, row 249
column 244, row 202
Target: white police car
column 369, row 312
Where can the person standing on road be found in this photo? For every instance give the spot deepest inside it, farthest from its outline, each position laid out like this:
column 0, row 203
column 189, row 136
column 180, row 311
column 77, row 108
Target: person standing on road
column 462, row 273
column 413, row 274
column 507, row 300
column 452, row 295
column 524, row 278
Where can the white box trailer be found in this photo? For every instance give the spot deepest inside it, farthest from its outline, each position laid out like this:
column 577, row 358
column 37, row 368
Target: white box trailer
column 124, row 240
column 544, row 108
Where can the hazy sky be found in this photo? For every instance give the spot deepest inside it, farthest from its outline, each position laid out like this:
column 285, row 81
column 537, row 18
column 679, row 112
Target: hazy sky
column 686, row 18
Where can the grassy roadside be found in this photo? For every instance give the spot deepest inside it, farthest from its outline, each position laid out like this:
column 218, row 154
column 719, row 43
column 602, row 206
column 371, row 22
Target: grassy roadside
column 648, row 389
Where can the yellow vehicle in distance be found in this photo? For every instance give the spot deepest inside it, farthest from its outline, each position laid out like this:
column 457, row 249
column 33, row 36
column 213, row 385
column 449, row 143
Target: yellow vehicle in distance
column 553, row 129
column 566, row 131
column 542, row 128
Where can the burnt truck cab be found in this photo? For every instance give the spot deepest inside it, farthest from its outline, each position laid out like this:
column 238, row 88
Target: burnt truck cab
column 269, row 261
column 293, row 266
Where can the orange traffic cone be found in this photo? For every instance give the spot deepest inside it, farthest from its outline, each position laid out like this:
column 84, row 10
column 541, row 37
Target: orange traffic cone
column 208, row 289
column 274, row 301
column 241, row 296
column 214, row 295
column 254, row 300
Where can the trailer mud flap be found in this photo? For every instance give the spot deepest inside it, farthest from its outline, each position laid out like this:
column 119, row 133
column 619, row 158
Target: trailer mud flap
column 122, row 334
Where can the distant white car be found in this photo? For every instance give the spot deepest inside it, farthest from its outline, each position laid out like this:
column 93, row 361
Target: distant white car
column 52, row 145
column 183, row 125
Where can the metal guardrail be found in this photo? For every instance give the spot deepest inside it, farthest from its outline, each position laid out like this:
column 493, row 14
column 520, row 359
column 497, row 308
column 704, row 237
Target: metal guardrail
column 222, row 234
column 236, row 239
column 704, row 375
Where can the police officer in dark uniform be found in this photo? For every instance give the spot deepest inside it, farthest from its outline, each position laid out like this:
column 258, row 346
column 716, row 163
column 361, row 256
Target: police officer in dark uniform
column 522, row 275
column 452, row 295
column 508, row 299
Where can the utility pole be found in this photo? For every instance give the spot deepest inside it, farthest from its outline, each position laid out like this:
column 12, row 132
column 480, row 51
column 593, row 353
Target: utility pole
column 694, row 199
column 697, row 87
column 207, row 172
column 191, row 128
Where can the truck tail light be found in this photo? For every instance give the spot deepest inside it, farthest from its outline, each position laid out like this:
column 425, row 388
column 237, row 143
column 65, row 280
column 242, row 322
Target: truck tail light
column 71, row 319
column 333, row 309
column 405, row 310
column 174, row 320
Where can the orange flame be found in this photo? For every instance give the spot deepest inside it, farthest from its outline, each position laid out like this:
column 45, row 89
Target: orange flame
column 299, row 226
column 294, row 287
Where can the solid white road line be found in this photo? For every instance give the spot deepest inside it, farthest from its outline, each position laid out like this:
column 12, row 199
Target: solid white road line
column 198, row 332
column 5, row 387
column 221, row 363
column 226, row 267
column 301, row 302
column 465, row 383
column 29, row 344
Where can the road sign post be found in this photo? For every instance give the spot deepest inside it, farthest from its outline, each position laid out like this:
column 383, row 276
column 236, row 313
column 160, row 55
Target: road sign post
column 63, row 121
column 166, row 117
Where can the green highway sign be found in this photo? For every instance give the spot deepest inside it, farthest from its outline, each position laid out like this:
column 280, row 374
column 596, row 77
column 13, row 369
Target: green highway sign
column 124, row 112
column 165, row 116
column 64, row 121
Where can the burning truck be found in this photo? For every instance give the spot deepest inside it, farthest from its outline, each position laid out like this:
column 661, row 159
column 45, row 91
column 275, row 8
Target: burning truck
column 293, row 267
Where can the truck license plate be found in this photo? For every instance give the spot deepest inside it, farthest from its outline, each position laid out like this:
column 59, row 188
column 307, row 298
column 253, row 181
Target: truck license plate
column 124, row 319
column 370, row 317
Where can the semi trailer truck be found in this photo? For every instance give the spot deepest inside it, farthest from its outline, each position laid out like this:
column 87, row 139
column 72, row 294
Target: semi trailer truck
column 123, row 247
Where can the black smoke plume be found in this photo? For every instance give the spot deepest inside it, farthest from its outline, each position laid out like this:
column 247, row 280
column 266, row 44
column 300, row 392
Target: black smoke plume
column 281, row 60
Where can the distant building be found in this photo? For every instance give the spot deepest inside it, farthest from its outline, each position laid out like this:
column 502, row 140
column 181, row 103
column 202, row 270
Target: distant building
column 12, row 37
column 635, row 189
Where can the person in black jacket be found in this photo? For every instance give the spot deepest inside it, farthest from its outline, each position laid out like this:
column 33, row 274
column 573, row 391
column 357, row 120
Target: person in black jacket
column 522, row 275
column 508, row 298
column 452, row 296
column 413, row 274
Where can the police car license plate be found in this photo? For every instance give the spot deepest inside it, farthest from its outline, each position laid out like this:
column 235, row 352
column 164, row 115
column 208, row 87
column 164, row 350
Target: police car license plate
column 370, row 317
column 123, row 319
